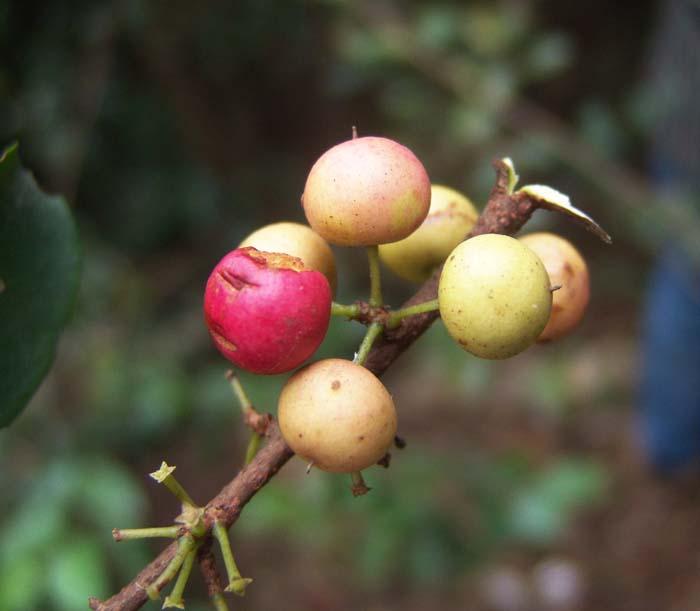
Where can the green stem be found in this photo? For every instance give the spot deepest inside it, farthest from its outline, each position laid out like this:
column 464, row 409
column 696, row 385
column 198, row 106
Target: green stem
column 219, row 602
column 373, row 332
column 239, row 392
column 164, row 475
column 394, row 318
column 252, row 449
column 185, row 545
column 375, row 278
column 349, row 311
column 130, row 534
column 236, row 583
column 174, row 600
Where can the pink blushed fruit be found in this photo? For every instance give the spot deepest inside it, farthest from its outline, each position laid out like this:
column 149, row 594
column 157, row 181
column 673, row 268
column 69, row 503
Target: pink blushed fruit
column 266, row 312
column 566, row 269
column 366, row 191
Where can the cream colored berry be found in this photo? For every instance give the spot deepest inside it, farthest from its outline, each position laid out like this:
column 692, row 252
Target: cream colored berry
column 337, row 415
column 494, row 296
column 299, row 241
column 449, row 220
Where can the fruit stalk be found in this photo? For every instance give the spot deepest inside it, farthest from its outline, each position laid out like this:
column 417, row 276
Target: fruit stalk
column 164, row 475
column 236, row 583
column 349, row 311
column 185, row 545
column 394, row 318
column 131, row 534
column 174, row 599
column 251, row 417
column 252, row 448
column 375, row 277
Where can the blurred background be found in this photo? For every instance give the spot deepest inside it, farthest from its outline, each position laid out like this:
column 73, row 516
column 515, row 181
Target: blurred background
column 176, row 128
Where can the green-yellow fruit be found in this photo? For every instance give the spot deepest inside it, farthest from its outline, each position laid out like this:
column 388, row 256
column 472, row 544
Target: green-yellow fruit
column 338, row 415
column 450, row 218
column 566, row 269
column 299, row 241
column 494, row 296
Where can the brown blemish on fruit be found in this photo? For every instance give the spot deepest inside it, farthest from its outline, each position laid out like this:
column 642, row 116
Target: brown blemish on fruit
column 220, row 339
column 361, row 438
column 335, row 385
column 276, row 260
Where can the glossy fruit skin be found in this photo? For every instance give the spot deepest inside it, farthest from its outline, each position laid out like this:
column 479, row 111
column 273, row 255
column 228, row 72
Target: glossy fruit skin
column 568, row 270
column 338, row 415
column 267, row 313
column 296, row 240
column 494, row 296
column 366, row 191
column 449, row 220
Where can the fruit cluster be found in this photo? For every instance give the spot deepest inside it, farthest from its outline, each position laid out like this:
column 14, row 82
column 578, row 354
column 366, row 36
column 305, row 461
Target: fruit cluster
column 268, row 303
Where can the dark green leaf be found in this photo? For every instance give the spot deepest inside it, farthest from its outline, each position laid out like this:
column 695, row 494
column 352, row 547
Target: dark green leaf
column 39, row 268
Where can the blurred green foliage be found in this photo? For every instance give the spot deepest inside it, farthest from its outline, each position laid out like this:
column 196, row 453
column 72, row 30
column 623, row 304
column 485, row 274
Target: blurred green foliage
column 432, row 515
column 175, row 129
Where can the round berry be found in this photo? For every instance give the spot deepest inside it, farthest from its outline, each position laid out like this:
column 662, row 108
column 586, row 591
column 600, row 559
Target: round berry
column 296, row 240
column 337, row 415
column 494, row 296
column 266, row 312
column 566, row 269
column 449, row 220
column 366, row 191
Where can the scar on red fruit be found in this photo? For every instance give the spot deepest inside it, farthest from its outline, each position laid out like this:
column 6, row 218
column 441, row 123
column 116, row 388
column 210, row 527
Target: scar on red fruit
column 237, row 283
column 221, row 339
column 277, row 260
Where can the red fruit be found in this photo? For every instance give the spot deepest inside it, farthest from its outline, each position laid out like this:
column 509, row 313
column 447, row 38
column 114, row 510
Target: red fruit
column 266, row 312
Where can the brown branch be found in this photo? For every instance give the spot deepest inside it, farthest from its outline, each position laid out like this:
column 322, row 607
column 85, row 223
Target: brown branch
column 502, row 214
column 207, row 564
column 225, row 507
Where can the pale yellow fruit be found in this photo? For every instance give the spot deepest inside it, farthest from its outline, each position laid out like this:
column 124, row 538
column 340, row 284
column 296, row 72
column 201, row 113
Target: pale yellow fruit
column 338, row 415
column 299, row 241
column 449, row 220
column 366, row 191
column 494, row 296
column 567, row 269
